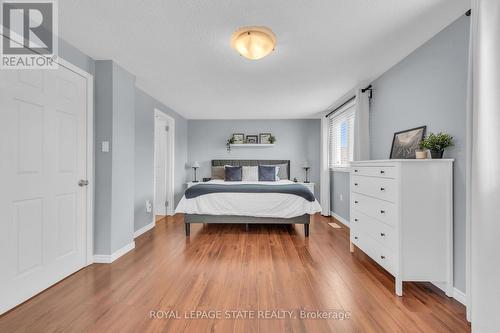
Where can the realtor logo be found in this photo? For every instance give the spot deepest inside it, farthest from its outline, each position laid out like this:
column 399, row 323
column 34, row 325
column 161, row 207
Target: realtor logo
column 29, row 30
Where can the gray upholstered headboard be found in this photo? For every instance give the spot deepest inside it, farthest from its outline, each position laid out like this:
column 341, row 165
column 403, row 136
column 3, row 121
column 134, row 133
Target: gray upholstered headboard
column 253, row 163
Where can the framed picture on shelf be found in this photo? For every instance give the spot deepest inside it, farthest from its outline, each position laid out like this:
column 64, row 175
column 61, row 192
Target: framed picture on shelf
column 264, row 138
column 239, row 138
column 252, row 139
column 406, row 142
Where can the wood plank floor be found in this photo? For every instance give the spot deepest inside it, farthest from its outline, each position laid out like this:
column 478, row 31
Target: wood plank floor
column 224, row 268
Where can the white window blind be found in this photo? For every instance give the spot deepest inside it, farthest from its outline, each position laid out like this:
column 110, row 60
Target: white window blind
column 341, row 136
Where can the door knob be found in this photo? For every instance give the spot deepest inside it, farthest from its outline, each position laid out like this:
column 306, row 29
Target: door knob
column 83, row 182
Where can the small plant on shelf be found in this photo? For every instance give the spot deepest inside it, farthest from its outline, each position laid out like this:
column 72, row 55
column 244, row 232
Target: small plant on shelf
column 229, row 142
column 272, row 139
column 437, row 143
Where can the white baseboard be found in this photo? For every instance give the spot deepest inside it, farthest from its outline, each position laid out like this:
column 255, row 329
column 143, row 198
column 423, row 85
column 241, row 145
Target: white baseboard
column 340, row 219
column 457, row 294
column 144, row 229
column 108, row 259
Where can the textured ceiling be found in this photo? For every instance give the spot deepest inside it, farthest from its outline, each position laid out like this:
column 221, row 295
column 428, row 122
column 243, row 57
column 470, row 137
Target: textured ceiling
column 180, row 50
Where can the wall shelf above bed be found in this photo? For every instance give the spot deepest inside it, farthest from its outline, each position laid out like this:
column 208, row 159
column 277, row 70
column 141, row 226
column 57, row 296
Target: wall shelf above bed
column 262, row 145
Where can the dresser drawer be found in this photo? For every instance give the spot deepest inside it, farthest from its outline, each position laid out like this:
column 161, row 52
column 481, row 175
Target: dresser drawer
column 384, row 256
column 382, row 188
column 381, row 232
column 374, row 171
column 381, row 210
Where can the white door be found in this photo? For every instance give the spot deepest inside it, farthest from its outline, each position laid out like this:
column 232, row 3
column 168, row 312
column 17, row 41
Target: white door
column 43, row 157
column 161, row 145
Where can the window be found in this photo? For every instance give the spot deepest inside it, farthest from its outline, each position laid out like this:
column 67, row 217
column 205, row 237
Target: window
column 341, row 136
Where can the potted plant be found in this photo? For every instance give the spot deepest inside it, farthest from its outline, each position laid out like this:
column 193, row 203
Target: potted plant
column 437, row 143
column 229, row 142
column 272, row 139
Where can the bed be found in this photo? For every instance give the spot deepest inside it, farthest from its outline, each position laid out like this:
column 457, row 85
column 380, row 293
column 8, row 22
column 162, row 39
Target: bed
column 248, row 202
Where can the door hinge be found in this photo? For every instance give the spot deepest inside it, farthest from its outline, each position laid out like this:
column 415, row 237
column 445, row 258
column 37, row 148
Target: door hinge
column 166, row 203
column 167, row 128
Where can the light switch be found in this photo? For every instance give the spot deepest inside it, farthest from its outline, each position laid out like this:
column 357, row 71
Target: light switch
column 105, row 147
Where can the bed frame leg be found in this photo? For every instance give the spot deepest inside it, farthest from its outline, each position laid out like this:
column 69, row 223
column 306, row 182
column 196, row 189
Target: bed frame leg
column 306, row 230
column 188, row 228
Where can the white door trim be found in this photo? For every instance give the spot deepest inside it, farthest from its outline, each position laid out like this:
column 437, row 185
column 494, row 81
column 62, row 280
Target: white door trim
column 169, row 170
column 90, row 156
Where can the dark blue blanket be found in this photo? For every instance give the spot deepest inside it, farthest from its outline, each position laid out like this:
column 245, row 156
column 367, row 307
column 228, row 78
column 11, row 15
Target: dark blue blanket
column 208, row 188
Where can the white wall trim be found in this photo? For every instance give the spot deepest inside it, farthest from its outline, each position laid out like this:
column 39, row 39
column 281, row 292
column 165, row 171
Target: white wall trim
column 108, row 259
column 340, row 219
column 147, row 227
column 460, row 296
column 456, row 294
column 324, row 185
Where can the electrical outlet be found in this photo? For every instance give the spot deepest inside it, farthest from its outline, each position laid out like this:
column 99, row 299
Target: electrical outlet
column 149, row 206
column 341, row 197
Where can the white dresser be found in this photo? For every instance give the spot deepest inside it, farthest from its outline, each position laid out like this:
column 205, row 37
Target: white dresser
column 402, row 217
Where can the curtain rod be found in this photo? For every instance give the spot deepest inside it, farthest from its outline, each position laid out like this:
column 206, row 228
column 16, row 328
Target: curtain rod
column 341, row 105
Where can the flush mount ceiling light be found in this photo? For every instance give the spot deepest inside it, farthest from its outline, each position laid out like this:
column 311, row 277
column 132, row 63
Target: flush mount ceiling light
column 253, row 42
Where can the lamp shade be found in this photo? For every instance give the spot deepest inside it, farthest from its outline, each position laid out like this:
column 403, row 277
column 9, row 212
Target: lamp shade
column 306, row 165
column 195, row 164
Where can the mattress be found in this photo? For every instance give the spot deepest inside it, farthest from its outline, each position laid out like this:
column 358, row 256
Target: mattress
column 273, row 205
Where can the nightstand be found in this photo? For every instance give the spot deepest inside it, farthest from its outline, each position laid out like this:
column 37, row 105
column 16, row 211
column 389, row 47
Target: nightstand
column 310, row 186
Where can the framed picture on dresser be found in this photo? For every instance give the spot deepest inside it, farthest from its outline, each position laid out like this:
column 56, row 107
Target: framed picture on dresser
column 404, row 143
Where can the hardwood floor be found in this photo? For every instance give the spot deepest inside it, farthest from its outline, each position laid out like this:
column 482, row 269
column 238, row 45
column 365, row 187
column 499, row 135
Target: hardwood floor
column 222, row 267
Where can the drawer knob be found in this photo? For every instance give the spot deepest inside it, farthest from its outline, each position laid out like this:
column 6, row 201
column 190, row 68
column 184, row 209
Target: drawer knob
column 382, row 189
column 356, row 201
column 355, row 220
column 382, row 234
column 382, row 257
column 355, row 237
column 382, row 171
column 355, row 170
column 355, row 184
column 382, row 212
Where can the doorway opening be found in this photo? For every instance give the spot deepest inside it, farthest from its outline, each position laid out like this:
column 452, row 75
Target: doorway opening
column 164, row 158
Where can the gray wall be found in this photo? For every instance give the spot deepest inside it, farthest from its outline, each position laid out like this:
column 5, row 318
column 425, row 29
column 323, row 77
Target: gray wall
column 71, row 54
column 114, row 170
column 339, row 194
column 296, row 140
column 429, row 88
column 123, row 152
column 144, row 154
column 103, row 131
column 144, row 106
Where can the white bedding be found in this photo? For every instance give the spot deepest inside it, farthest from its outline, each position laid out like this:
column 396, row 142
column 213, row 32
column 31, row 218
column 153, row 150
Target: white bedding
column 277, row 205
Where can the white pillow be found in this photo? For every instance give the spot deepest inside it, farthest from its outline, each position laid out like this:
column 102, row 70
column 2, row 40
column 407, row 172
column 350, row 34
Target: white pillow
column 250, row 174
